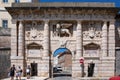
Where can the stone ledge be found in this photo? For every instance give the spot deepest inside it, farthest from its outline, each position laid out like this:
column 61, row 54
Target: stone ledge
column 64, row 4
column 16, row 57
column 108, row 58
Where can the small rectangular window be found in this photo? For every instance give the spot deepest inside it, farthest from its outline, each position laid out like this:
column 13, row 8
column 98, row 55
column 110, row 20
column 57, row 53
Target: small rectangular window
column 17, row 1
column 5, row 1
column 5, row 23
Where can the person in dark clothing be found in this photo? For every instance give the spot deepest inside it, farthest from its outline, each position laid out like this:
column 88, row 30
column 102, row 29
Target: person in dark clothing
column 91, row 69
column 33, row 69
column 12, row 72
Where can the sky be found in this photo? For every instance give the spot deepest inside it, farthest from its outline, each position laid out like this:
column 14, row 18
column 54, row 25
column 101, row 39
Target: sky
column 117, row 2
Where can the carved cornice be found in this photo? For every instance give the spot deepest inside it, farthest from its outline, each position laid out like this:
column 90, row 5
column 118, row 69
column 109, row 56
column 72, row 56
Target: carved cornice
column 62, row 13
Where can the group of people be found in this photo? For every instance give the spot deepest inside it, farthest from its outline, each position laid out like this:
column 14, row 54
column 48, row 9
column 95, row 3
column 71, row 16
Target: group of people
column 17, row 72
column 13, row 71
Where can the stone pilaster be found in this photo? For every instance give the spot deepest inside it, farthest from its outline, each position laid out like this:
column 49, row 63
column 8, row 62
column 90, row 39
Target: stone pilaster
column 17, row 47
column 13, row 39
column 76, row 68
column 46, row 38
column 79, row 40
column 21, row 39
column 112, row 39
column 45, row 59
column 104, row 40
column 108, row 47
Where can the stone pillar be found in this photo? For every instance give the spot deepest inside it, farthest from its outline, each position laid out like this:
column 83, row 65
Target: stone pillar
column 17, row 42
column 44, row 66
column 104, row 40
column 21, row 39
column 108, row 47
column 112, row 39
column 79, row 40
column 13, row 39
column 76, row 67
column 46, row 39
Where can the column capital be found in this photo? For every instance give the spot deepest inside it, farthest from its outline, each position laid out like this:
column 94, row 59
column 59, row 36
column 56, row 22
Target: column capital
column 14, row 21
column 20, row 24
column 112, row 21
column 46, row 20
column 79, row 21
column 105, row 25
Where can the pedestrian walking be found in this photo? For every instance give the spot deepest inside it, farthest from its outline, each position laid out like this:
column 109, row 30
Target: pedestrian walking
column 12, row 72
column 18, row 73
column 28, row 72
column 91, row 69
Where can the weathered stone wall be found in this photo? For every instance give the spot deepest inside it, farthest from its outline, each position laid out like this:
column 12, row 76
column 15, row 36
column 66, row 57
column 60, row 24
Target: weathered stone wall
column 4, row 62
column 117, row 37
column 4, row 52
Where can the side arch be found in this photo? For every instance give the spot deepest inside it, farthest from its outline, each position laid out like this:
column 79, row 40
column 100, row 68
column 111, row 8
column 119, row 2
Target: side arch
column 60, row 50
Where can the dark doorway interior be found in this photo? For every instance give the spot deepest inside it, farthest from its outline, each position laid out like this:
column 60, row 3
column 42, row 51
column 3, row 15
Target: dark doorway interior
column 33, row 69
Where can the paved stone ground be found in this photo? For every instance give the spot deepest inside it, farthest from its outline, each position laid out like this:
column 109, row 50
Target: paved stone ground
column 24, row 78
column 85, row 78
column 61, row 78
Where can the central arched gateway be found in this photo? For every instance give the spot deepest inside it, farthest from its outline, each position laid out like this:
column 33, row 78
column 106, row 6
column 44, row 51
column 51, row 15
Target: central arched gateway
column 62, row 58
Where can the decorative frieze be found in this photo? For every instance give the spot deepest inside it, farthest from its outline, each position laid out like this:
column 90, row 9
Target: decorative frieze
column 65, row 16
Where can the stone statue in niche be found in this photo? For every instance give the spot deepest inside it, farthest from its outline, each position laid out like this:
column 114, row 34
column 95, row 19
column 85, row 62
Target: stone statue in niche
column 62, row 31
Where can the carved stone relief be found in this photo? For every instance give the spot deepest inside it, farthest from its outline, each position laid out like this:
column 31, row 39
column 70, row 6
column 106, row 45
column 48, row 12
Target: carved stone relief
column 34, row 50
column 62, row 30
column 92, row 30
column 91, row 50
column 34, row 32
column 62, row 42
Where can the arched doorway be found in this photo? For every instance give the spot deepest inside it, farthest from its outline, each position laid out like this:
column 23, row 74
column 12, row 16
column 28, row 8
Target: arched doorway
column 62, row 61
column 33, row 56
column 92, row 53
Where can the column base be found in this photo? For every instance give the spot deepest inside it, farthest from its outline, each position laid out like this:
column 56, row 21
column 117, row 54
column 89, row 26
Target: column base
column 43, row 68
column 76, row 68
column 107, row 67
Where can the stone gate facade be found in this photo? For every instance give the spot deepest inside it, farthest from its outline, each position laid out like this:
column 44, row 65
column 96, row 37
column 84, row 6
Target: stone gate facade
column 86, row 29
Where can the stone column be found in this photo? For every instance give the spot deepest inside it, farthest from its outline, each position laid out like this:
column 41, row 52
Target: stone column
column 108, row 60
column 44, row 72
column 104, row 40
column 76, row 69
column 21, row 39
column 112, row 39
column 46, row 39
column 79, row 40
column 13, row 39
